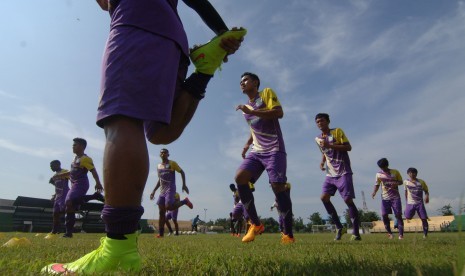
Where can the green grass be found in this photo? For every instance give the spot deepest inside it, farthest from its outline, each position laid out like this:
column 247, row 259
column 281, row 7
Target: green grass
column 312, row 254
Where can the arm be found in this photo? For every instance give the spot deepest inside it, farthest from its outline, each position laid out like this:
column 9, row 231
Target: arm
column 275, row 113
column 375, row 190
column 104, row 4
column 184, row 187
column 426, row 197
column 98, row 185
column 61, row 175
column 247, row 145
column 323, row 162
column 152, row 195
column 406, row 194
column 208, row 14
column 339, row 147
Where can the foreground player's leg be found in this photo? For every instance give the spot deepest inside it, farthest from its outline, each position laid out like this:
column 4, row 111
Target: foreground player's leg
column 387, row 225
column 125, row 168
column 285, row 211
column 247, row 198
column 325, row 198
column 353, row 213
column 400, row 225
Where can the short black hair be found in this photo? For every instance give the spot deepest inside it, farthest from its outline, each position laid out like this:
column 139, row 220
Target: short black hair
column 383, row 162
column 413, row 170
column 80, row 141
column 163, row 149
column 253, row 77
column 55, row 162
column 322, row 115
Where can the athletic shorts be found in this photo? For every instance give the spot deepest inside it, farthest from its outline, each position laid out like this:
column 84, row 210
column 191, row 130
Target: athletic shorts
column 389, row 205
column 166, row 198
column 239, row 211
column 410, row 210
column 172, row 215
column 343, row 184
column 77, row 192
column 141, row 76
column 275, row 164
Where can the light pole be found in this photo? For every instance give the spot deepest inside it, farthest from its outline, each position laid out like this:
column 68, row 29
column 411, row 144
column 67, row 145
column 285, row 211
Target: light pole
column 205, row 218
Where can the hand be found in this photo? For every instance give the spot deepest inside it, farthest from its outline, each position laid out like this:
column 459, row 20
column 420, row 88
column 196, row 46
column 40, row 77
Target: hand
column 244, row 109
column 230, row 45
column 373, row 195
column 185, row 189
column 152, row 196
column 98, row 188
column 426, row 199
column 244, row 151
column 51, row 181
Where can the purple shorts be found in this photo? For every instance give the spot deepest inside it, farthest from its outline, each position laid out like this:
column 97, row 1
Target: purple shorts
column 77, row 191
column 275, row 164
column 389, row 205
column 167, row 198
column 59, row 206
column 172, row 215
column 343, row 184
column 239, row 211
column 141, row 76
column 410, row 210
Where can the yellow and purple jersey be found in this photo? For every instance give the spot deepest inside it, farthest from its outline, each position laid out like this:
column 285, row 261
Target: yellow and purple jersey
column 337, row 162
column 61, row 184
column 79, row 168
column 166, row 174
column 386, row 180
column 415, row 190
column 266, row 133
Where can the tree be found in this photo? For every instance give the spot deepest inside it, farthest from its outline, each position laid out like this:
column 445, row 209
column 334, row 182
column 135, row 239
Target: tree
column 315, row 219
column 446, row 210
column 299, row 225
column 271, row 225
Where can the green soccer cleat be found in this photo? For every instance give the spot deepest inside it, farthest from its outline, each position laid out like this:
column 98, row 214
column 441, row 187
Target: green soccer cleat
column 209, row 56
column 112, row 256
column 355, row 238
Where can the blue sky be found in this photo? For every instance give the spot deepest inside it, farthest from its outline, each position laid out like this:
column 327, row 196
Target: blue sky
column 388, row 72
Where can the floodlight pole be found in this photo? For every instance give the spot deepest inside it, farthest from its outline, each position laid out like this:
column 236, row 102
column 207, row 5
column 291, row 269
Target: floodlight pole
column 205, row 218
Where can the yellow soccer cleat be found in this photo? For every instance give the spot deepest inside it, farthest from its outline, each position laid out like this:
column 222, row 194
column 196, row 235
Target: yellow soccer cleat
column 285, row 239
column 253, row 230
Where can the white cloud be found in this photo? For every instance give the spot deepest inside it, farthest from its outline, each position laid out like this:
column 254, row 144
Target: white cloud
column 38, row 152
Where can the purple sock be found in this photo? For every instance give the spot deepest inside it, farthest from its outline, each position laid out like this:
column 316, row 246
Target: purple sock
column 387, row 224
column 285, row 211
column 196, row 84
column 424, row 222
column 353, row 213
column 249, row 203
column 400, row 224
column 121, row 221
column 332, row 212
column 70, row 220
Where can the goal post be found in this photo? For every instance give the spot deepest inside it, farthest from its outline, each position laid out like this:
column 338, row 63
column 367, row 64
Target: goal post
column 325, row 228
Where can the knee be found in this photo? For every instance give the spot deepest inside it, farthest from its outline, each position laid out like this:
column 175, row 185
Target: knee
column 242, row 178
column 278, row 187
column 164, row 137
column 325, row 198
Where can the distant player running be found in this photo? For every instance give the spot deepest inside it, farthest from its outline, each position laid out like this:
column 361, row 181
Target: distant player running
column 238, row 214
column 276, row 205
column 414, row 189
column 167, row 184
column 389, row 180
column 334, row 147
column 262, row 113
column 59, row 198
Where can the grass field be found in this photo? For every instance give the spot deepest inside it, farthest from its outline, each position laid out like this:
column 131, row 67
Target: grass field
column 222, row 254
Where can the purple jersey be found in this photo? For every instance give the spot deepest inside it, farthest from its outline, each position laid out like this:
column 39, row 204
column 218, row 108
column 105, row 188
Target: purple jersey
column 61, row 185
column 79, row 168
column 386, row 180
column 155, row 16
column 337, row 161
column 266, row 133
column 166, row 174
column 415, row 189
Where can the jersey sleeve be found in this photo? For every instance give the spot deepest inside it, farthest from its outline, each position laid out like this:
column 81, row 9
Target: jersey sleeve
column 424, row 186
column 270, row 98
column 377, row 180
column 175, row 166
column 87, row 163
column 340, row 136
column 398, row 176
column 65, row 171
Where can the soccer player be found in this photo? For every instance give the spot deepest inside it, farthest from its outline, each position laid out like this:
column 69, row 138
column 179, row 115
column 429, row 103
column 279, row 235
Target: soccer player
column 145, row 95
column 414, row 189
column 173, row 215
column 238, row 214
column 61, row 190
column 389, row 180
column 81, row 165
column 262, row 112
column 167, row 181
column 334, row 147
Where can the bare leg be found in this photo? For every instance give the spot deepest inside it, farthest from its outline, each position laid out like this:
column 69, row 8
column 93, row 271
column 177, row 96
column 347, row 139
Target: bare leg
column 183, row 110
column 176, row 226
column 125, row 162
